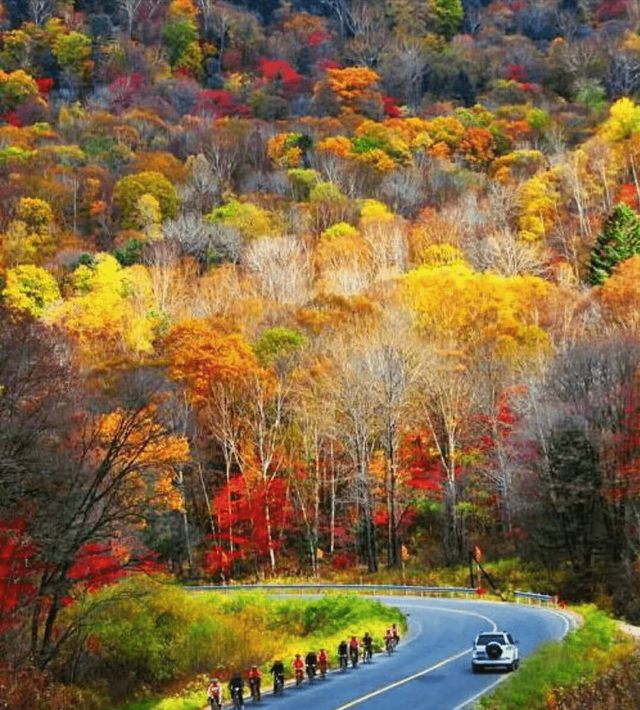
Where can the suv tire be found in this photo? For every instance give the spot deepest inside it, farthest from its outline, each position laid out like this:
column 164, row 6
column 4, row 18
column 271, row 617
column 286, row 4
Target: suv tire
column 494, row 650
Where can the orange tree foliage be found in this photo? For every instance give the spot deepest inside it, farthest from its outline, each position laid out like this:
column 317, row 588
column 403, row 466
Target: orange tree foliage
column 355, row 89
column 152, row 449
column 206, row 355
column 160, row 162
column 477, row 146
column 284, row 150
column 620, row 295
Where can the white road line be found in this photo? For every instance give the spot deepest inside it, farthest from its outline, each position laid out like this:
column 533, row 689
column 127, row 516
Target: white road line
column 408, row 679
column 419, row 674
column 494, row 626
column 475, row 697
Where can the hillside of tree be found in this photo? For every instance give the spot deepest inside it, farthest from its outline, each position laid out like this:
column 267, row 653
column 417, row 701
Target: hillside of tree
column 294, row 288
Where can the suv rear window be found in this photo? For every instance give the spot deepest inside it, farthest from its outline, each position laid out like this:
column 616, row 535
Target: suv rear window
column 484, row 639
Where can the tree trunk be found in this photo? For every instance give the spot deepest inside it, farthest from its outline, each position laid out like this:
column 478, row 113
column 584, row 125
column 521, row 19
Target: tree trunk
column 227, row 474
column 207, row 500
column 185, row 519
column 267, row 522
column 371, row 553
column 332, row 513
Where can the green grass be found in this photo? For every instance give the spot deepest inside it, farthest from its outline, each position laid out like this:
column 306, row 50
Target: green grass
column 587, row 652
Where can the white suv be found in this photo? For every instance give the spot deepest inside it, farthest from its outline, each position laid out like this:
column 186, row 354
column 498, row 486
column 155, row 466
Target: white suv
column 495, row 649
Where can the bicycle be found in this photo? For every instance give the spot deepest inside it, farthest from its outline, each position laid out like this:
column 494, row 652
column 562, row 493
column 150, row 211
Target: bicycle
column 237, row 699
column 278, row 684
column 367, row 655
column 311, row 672
column 353, row 654
column 323, row 669
column 254, row 686
column 299, row 676
column 343, row 662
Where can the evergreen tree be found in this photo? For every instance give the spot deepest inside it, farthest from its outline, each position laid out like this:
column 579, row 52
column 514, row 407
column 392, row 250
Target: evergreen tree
column 448, row 16
column 619, row 240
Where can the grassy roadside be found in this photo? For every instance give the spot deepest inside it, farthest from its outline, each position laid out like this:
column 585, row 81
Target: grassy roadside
column 586, row 654
column 616, row 689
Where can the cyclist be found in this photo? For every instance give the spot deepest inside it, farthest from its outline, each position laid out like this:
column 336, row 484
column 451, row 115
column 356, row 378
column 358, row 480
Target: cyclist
column 388, row 641
column 395, row 634
column 254, row 682
column 298, row 668
column 323, row 662
column 214, row 694
column 354, row 651
column 311, row 662
column 236, row 689
column 367, row 645
column 277, row 671
column 343, row 650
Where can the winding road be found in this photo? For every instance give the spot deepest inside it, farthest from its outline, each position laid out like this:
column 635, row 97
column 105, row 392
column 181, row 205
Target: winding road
column 431, row 669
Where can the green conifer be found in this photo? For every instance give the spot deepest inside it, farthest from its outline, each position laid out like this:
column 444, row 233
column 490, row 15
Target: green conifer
column 618, row 240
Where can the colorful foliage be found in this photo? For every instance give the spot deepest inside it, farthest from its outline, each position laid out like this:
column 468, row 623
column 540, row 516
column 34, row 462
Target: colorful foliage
column 30, row 288
column 131, row 188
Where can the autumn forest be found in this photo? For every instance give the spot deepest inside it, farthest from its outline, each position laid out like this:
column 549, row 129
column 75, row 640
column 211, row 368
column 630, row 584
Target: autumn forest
column 320, row 288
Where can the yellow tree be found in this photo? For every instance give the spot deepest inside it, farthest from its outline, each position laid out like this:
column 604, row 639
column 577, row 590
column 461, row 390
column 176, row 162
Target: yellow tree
column 537, row 202
column 623, row 121
column 149, row 217
column 467, row 319
column 15, row 88
column 30, row 288
column 110, row 311
column 29, row 238
column 250, row 220
column 131, row 188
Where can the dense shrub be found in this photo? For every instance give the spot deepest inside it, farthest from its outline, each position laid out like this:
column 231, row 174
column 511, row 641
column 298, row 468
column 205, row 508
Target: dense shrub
column 146, row 632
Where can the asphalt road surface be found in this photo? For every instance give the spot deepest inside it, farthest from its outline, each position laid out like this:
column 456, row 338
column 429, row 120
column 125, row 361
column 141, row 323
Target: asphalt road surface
column 431, row 668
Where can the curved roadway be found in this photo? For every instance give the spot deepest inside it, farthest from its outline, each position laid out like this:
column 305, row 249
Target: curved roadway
column 431, row 667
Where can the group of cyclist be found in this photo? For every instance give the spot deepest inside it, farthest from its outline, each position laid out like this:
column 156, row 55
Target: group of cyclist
column 312, row 664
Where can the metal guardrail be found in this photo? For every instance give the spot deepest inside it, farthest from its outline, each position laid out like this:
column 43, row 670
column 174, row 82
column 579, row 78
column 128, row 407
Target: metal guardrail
column 392, row 588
